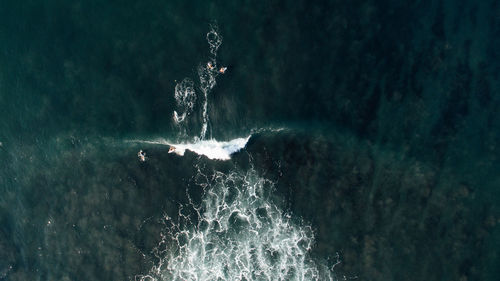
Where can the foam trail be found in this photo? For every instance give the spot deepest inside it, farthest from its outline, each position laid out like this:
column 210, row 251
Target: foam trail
column 238, row 234
column 185, row 94
column 208, row 73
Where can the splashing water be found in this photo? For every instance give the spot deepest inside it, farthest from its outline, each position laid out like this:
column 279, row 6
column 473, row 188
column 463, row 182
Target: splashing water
column 237, row 234
column 212, row 149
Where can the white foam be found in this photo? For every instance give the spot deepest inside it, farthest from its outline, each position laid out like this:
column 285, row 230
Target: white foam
column 185, row 98
column 213, row 149
column 238, row 234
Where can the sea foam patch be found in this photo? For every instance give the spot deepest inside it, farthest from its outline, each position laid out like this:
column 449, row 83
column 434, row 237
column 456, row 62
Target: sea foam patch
column 239, row 233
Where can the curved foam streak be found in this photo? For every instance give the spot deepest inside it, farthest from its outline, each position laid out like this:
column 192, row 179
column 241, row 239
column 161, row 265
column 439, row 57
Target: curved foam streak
column 179, row 118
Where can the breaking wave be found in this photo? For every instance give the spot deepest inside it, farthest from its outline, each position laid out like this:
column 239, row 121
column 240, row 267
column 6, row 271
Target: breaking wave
column 212, row 149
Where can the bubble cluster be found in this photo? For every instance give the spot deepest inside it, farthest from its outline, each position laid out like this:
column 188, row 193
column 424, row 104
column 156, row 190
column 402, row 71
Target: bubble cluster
column 236, row 233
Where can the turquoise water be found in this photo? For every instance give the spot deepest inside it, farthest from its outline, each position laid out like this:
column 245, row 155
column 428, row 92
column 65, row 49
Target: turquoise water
column 373, row 152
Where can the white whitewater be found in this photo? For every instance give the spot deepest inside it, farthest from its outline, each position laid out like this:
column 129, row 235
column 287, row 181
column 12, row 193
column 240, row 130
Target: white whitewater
column 240, row 234
column 212, row 149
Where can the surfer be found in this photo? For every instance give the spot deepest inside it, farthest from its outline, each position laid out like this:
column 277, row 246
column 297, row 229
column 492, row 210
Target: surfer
column 171, row 149
column 210, row 66
column 222, row 70
column 142, row 155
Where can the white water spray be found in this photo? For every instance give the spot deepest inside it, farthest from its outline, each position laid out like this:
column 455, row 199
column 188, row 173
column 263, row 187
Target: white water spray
column 212, row 149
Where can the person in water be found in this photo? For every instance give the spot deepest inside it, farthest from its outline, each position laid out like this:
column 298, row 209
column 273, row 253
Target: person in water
column 142, row 155
column 222, row 70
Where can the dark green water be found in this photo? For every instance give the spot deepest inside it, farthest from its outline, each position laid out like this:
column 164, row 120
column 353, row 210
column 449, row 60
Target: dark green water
column 389, row 153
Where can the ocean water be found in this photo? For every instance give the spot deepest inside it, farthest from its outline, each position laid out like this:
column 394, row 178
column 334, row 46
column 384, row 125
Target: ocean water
column 347, row 140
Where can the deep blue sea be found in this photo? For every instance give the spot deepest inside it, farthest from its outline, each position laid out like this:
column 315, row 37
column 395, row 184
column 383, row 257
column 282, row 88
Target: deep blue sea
column 345, row 140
